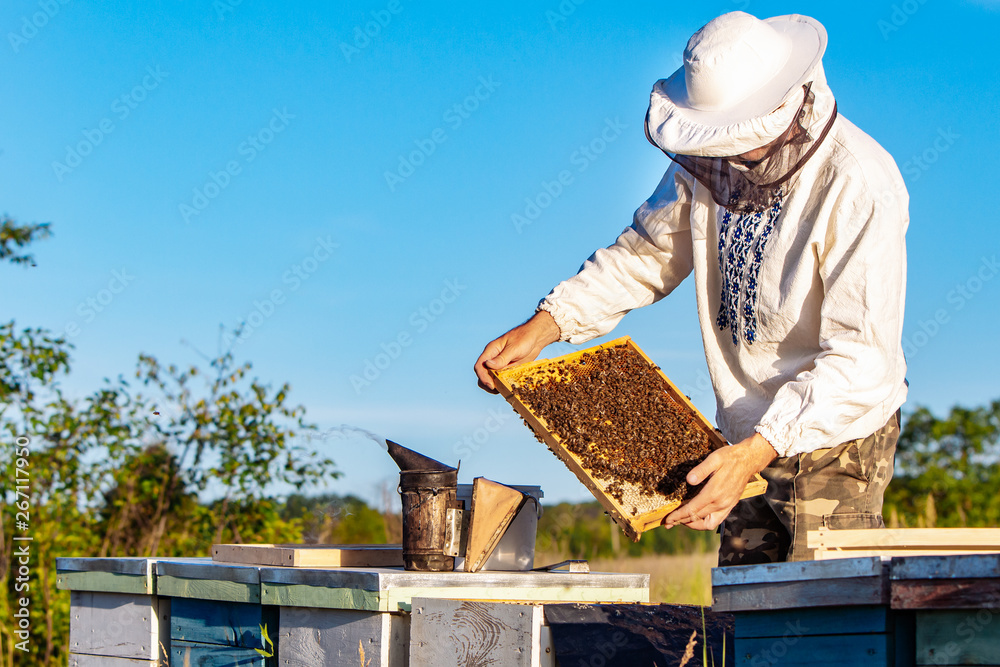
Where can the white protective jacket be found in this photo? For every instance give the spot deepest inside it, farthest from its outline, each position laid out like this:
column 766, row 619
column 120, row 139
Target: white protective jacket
column 822, row 302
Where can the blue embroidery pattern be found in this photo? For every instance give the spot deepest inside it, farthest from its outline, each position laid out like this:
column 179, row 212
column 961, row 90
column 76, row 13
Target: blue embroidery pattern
column 741, row 253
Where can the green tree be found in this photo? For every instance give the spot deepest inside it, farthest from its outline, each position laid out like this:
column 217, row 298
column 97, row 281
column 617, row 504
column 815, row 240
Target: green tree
column 120, row 472
column 334, row 519
column 584, row 531
column 947, row 470
column 30, row 362
column 14, row 237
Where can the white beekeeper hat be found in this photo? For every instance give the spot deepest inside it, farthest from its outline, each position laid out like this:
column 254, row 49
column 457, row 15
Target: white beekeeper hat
column 740, row 87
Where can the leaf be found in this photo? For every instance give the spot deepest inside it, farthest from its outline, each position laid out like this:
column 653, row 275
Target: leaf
column 14, row 236
column 267, row 643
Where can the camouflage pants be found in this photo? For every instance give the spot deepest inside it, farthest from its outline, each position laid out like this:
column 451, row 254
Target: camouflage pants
column 838, row 487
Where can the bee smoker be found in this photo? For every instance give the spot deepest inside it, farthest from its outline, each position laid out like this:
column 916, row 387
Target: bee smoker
column 428, row 489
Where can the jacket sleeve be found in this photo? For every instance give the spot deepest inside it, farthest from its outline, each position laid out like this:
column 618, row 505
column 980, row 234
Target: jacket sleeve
column 649, row 259
column 860, row 370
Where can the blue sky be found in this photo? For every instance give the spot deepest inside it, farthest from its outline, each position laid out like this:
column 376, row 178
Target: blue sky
column 343, row 176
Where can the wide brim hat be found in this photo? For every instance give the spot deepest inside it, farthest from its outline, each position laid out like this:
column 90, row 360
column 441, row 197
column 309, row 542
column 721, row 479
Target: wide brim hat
column 739, row 87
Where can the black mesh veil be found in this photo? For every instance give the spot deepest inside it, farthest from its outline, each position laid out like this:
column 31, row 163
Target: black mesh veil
column 744, row 187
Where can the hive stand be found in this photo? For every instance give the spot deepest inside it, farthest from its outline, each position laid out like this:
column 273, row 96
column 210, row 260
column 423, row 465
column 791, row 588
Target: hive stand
column 815, row 613
column 907, row 610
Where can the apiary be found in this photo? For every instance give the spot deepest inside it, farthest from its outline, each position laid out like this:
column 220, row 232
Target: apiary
column 616, row 420
column 196, row 612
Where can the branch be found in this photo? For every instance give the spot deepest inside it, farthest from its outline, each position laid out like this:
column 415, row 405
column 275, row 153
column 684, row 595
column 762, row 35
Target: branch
column 13, row 237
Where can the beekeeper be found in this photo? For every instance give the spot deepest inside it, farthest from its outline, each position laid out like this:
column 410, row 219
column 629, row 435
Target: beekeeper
column 792, row 221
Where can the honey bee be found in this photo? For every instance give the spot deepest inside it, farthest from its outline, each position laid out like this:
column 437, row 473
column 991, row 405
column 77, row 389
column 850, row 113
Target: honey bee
column 610, row 409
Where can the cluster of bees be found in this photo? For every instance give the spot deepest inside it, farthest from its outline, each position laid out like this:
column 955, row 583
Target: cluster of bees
column 610, row 409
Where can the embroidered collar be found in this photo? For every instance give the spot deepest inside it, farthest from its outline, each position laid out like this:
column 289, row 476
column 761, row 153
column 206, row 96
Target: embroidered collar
column 742, row 240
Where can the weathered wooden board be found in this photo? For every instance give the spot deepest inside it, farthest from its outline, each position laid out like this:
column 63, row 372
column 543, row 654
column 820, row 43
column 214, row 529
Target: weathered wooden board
column 208, row 589
column 946, row 594
column 223, row 623
column 119, row 625
column 446, row 633
column 796, row 594
column 84, row 660
column 392, row 590
column 902, row 542
column 399, row 599
column 206, row 580
column 865, row 650
column 980, row 566
column 133, row 566
column 946, row 582
column 319, row 555
column 643, row 512
column 106, row 582
column 189, row 654
column 785, row 628
column 945, row 538
column 340, row 637
column 845, row 620
column 306, row 595
column 111, row 575
column 889, row 553
column 765, row 573
column 801, row 584
column 955, row 637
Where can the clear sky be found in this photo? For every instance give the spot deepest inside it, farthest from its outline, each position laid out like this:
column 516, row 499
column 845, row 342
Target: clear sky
column 343, row 176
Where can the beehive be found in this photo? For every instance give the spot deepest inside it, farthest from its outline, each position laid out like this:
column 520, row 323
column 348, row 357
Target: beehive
column 634, row 509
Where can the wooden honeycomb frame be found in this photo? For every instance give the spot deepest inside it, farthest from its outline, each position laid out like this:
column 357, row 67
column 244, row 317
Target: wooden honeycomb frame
column 634, row 518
